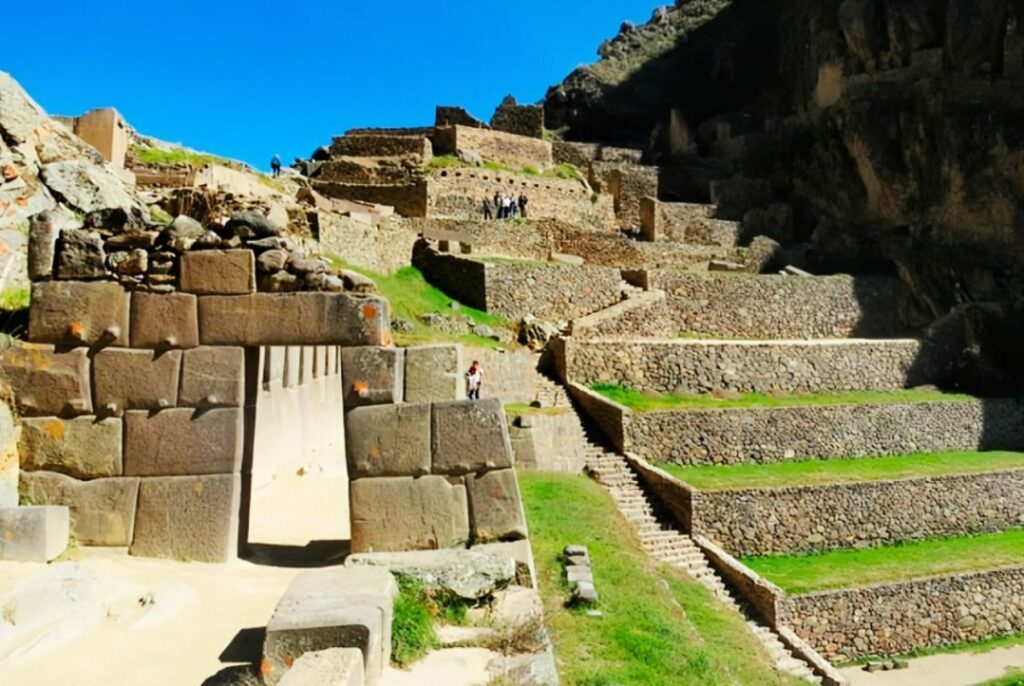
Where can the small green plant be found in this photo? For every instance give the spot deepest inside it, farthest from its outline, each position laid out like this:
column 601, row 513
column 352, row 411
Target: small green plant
column 148, row 155
column 567, row 171
column 525, row 637
column 25, row 500
column 530, row 171
column 412, row 629
column 594, row 197
column 158, row 215
column 445, row 162
column 14, row 299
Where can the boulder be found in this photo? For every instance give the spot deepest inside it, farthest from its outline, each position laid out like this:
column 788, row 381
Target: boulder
column 402, row 513
column 89, row 187
column 280, row 282
column 470, row 574
column 43, row 231
column 102, row 511
column 272, row 261
column 20, row 116
column 356, row 282
column 468, row 436
column 388, row 440
column 183, row 227
column 125, row 263
column 252, row 224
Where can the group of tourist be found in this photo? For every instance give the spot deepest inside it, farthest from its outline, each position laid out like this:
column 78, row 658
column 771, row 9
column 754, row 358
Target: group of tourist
column 505, row 206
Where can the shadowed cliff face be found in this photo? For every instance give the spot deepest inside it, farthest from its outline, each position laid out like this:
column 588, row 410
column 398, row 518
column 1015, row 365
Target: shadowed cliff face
column 894, row 128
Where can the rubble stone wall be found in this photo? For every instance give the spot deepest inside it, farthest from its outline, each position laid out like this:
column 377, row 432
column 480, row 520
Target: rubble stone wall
column 409, row 200
column 644, row 312
column 383, row 247
column 494, row 146
column 681, row 222
column 522, row 120
column 382, row 146
column 628, row 184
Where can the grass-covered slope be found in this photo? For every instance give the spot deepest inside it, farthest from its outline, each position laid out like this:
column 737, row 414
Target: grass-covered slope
column 658, row 626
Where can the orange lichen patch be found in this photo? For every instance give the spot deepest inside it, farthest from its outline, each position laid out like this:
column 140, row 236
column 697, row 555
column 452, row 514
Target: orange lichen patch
column 76, row 329
column 369, row 311
column 55, row 428
column 198, row 488
column 21, row 202
column 9, row 172
column 375, row 453
column 264, row 667
column 289, row 661
column 360, row 386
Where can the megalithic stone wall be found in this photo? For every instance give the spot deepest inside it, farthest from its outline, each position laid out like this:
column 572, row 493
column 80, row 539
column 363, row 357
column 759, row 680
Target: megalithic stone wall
column 138, row 398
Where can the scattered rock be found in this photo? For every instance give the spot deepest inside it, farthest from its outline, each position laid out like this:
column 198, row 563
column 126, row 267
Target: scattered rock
column 80, row 255
column 272, row 261
column 251, row 224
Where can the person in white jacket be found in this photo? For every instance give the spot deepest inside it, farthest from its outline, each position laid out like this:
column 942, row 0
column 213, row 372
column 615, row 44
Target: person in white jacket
column 474, row 379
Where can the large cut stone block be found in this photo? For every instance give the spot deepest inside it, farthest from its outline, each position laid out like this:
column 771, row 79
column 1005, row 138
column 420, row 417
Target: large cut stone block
column 33, row 534
column 395, row 514
column 9, row 467
column 469, row 435
column 372, row 375
column 331, row 667
column 83, row 447
column 188, row 518
column 102, row 510
column 471, row 574
column 135, row 380
column 181, row 441
column 497, row 509
column 388, row 440
column 213, row 377
column 432, row 374
column 164, row 320
column 294, row 319
column 77, row 313
column 332, row 608
column 47, row 382
column 218, row 272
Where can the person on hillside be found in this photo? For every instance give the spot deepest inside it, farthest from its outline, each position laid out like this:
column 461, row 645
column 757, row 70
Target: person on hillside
column 522, row 205
column 487, row 209
column 275, row 165
column 504, row 207
column 497, row 204
column 474, row 380
column 512, row 206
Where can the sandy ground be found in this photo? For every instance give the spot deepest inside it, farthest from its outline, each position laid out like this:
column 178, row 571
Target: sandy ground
column 959, row 669
column 449, row 667
column 107, row 619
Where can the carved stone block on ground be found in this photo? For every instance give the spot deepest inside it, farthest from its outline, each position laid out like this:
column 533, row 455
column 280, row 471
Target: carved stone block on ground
column 469, row 574
column 188, row 518
column 218, row 272
column 331, row 667
column 497, row 510
column 432, row 374
column 83, row 447
column 388, row 440
column 33, row 534
column 135, row 380
column 395, row 514
column 212, row 377
column 332, row 608
column 102, row 510
column 181, row 441
column 468, row 436
column 164, row 320
column 294, row 319
column 47, row 382
column 78, row 313
column 372, row 375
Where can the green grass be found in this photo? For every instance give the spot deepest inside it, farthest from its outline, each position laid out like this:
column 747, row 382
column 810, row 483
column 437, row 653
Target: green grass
column 413, row 634
column 445, row 162
column 147, row 155
column 657, row 626
column 849, row 568
column 847, row 470
column 14, row 299
column 1016, row 678
column 411, row 296
column 567, row 172
column 647, row 402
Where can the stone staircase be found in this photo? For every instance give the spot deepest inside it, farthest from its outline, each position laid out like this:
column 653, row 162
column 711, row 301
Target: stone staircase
column 663, row 541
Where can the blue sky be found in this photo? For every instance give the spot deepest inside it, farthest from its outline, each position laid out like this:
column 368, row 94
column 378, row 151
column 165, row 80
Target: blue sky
column 248, row 79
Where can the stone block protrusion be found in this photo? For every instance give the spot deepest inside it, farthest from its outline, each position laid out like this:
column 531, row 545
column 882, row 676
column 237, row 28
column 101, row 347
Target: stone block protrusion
column 33, row 534
column 102, row 510
column 372, row 376
column 432, row 373
column 308, row 318
column 164, row 320
column 218, row 272
column 469, row 436
column 395, row 514
column 46, row 382
column 135, row 380
column 181, row 441
column 388, row 440
column 84, row 447
column 74, row 313
column 331, row 667
column 497, row 509
column 188, row 518
column 332, row 608
column 212, row 377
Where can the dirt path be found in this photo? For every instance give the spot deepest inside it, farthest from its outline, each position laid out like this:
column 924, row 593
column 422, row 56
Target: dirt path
column 959, row 669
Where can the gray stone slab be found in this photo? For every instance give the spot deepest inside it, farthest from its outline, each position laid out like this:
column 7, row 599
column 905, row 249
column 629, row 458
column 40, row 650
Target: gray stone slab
column 388, row 440
column 372, row 375
column 38, row 533
column 468, row 436
column 164, row 320
column 182, row 441
column 79, row 313
column 126, row 379
column 188, row 518
column 217, row 272
column 46, row 382
column 576, row 574
column 526, row 570
column 307, row 318
column 84, row 447
column 495, row 506
column 402, row 513
column 331, row 667
column 102, row 510
column 432, row 374
column 332, row 608
column 212, row 377
column 467, row 573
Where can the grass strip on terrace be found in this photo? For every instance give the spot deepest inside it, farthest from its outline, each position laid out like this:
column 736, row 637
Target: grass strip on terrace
column 845, row 470
column 642, row 401
column 798, row 574
column 658, row 626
